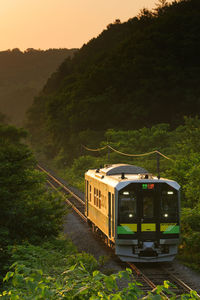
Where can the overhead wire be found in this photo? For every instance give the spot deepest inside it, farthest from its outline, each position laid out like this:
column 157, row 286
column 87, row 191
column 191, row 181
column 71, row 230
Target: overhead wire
column 94, row 150
column 126, row 154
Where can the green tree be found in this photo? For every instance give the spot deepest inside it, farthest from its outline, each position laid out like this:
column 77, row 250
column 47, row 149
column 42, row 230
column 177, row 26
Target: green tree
column 27, row 210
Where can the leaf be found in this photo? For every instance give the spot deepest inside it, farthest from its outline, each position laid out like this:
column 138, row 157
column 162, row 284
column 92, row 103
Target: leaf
column 81, row 290
column 72, row 268
column 110, row 283
column 95, row 273
column 8, row 276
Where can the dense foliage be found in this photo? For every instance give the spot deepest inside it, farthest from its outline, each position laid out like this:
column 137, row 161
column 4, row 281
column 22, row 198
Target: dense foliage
column 50, row 271
column 23, row 75
column 139, row 73
column 28, row 212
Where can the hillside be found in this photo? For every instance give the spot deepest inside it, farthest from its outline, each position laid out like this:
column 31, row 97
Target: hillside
column 139, row 73
column 22, row 76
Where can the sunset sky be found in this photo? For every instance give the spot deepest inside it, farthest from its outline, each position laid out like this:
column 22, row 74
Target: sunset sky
column 60, row 23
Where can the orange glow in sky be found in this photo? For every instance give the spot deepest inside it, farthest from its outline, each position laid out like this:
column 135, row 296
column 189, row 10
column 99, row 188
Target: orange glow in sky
column 43, row 24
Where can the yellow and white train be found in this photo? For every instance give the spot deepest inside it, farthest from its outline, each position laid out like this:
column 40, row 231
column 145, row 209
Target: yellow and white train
column 136, row 212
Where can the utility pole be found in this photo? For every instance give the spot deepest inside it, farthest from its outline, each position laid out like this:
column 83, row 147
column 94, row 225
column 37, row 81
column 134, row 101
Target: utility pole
column 158, row 164
column 108, row 153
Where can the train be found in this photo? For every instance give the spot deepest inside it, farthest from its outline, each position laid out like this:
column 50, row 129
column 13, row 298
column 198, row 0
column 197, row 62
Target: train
column 138, row 214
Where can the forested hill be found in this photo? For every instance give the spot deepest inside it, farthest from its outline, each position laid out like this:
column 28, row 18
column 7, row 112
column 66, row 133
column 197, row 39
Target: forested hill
column 22, row 76
column 139, row 73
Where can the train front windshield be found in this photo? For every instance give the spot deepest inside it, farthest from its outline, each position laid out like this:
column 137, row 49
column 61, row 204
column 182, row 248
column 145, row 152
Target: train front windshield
column 127, row 205
column 169, row 204
column 148, row 201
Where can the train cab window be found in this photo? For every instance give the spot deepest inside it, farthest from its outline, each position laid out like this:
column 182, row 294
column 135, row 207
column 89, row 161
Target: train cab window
column 169, row 204
column 127, row 206
column 148, row 206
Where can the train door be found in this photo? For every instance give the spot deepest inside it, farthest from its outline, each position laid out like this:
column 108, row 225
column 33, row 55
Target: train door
column 86, row 197
column 148, row 212
column 113, row 215
column 109, row 214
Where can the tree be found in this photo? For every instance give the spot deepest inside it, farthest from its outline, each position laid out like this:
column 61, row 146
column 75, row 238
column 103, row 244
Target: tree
column 162, row 3
column 27, row 210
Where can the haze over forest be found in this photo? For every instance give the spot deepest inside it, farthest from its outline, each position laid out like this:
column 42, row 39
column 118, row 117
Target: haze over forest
column 23, row 75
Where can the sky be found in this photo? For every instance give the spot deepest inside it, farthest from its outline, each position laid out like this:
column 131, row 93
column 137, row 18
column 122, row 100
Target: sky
column 44, row 24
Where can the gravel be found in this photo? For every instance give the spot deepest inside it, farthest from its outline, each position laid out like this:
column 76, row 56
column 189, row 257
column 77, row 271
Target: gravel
column 83, row 238
column 189, row 276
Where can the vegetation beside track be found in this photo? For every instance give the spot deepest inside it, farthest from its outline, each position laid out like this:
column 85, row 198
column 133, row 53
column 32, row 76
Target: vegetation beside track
column 55, row 270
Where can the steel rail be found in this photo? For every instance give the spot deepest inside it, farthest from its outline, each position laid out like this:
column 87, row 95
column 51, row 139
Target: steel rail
column 144, row 277
column 68, row 202
column 62, row 185
column 181, row 283
column 68, row 190
column 76, row 210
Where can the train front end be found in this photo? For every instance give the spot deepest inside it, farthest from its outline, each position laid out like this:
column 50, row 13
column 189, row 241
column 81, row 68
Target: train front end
column 147, row 219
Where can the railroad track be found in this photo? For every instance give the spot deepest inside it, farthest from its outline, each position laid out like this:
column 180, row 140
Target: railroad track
column 152, row 276
column 149, row 276
column 73, row 200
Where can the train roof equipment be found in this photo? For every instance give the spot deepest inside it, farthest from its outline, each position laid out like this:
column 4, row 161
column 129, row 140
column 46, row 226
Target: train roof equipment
column 120, row 175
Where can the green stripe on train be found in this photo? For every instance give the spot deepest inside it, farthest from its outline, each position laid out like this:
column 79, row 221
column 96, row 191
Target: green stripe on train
column 124, row 230
column 172, row 229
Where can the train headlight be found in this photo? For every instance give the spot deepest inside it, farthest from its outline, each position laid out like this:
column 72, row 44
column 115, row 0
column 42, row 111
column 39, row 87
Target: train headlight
column 130, row 215
column 125, row 193
column 170, row 192
column 166, row 215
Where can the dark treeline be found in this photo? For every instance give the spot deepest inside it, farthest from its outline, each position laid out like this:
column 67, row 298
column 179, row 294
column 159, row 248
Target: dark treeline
column 139, row 73
column 23, row 75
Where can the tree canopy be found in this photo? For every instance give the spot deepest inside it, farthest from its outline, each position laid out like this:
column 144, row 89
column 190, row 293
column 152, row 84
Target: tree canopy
column 28, row 212
column 134, row 74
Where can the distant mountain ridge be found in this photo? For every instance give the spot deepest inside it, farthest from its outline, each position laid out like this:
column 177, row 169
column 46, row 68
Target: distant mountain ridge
column 23, row 75
column 134, row 74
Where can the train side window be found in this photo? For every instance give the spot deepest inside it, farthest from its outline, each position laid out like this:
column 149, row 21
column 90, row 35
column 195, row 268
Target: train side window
column 102, row 205
column 99, row 199
column 94, row 196
column 97, row 202
column 90, row 193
